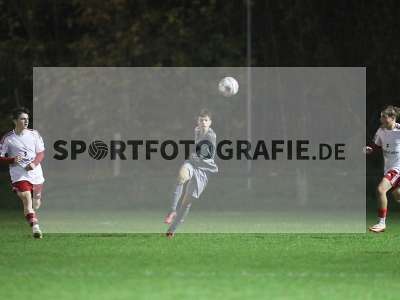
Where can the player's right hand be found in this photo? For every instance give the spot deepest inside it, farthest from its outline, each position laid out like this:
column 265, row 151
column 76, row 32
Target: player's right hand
column 368, row 150
column 30, row 167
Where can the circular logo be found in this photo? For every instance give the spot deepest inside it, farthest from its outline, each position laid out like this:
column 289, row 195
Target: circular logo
column 98, row 150
column 205, row 149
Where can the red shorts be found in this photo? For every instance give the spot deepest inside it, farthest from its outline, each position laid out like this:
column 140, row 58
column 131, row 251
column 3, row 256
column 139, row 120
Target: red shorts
column 394, row 178
column 26, row 186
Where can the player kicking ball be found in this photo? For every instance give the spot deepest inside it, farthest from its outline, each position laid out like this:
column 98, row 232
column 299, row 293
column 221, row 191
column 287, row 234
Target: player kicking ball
column 193, row 174
column 387, row 139
column 23, row 150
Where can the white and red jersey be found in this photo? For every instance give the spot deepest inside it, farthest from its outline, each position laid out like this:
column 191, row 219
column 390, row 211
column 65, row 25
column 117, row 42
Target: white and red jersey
column 389, row 140
column 26, row 144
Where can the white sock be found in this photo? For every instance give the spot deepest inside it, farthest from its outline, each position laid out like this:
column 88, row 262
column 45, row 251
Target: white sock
column 382, row 221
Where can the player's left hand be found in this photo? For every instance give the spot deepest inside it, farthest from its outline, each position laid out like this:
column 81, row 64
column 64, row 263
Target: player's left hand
column 17, row 159
column 30, row 167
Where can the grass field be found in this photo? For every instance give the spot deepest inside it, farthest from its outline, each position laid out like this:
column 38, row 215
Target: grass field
column 198, row 266
column 262, row 221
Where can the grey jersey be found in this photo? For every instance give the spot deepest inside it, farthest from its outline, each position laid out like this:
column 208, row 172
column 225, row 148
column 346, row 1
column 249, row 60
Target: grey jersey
column 206, row 145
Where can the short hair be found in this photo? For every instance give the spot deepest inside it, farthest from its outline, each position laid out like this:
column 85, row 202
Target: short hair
column 18, row 111
column 205, row 113
column 391, row 111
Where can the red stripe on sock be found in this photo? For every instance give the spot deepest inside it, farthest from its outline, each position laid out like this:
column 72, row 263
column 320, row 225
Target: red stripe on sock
column 31, row 218
column 382, row 212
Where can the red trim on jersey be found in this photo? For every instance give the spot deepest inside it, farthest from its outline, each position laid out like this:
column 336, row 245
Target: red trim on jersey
column 7, row 160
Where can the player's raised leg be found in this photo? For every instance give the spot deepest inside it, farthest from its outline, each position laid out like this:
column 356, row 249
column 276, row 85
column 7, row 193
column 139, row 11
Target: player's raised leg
column 382, row 189
column 183, row 177
column 194, row 172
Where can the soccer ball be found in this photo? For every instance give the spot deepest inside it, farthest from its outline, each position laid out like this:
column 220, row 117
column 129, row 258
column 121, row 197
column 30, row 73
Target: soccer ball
column 228, row 86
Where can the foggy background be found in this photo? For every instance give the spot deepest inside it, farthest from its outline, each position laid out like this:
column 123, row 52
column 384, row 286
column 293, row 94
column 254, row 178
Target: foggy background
column 206, row 33
column 322, row 105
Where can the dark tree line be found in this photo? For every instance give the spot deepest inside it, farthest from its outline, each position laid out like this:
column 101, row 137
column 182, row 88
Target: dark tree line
column 38, row 33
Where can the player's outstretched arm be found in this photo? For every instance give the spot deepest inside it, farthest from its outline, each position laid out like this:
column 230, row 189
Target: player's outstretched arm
column 10, row 160
column 7, row 160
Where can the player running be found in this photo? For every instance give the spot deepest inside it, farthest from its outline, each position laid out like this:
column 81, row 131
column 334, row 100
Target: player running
column 193, row 174
column 387, row 139
column 24, row 149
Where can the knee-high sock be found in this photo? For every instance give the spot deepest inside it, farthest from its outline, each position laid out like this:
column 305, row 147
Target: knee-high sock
column 176, row 196
column 182, row 213
column 382, row 215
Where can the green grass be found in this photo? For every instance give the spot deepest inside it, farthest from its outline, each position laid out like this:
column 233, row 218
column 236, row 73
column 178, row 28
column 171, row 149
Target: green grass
column 200, row 221
column 197, row 266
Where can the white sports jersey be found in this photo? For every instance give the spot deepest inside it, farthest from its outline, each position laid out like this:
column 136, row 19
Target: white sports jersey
column 26, row 144
column 389, row 140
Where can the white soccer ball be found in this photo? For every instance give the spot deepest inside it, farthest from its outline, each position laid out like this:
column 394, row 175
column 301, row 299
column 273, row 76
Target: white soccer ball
column 228, row 86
